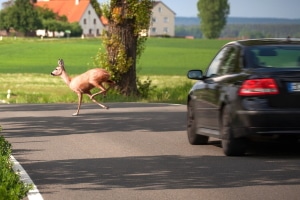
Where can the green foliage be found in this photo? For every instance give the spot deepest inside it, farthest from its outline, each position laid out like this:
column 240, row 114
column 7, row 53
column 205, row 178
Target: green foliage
column 261, row 31
column 11, row 187
column 53, row 22
column 115, row 58
column 5, row 147
column 122, row 42
column 144, row 87
column 188, row 30
column 96, row 6
column 75, row 29
column 24, row 18
column 244, row 31
column 45, row 13
column 52, row 25
column 213, row 14
column 5, row 22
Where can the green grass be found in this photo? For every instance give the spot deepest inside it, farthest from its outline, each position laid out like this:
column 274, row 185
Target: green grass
column 40, row 56
column 163, row 56
column 177, row 56
column 25, row 66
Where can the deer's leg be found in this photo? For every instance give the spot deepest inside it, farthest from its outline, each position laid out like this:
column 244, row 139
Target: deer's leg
column 92, row 98
column 79, row 104
column 102, row 90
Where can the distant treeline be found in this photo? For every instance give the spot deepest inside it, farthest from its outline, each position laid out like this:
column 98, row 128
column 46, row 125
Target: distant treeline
column 238, row 20
column 242, row 28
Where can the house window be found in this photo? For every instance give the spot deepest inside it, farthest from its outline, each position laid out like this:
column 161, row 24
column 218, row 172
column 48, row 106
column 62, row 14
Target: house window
column 90, row 31
column 166, row 19
column 98, row 32
column 166, row 30
column 153, row 30
column 95, row 21
column 89, row 12
column 153, row 19
column 160, row 9
column 84, row 21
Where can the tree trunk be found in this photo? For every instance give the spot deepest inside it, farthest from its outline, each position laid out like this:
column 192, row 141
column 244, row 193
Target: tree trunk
column 124, row 30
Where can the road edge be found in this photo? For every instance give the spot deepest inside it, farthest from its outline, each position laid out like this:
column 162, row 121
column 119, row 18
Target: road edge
column 34, row 193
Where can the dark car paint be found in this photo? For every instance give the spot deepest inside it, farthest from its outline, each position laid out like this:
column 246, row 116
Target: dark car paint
column 258, row 115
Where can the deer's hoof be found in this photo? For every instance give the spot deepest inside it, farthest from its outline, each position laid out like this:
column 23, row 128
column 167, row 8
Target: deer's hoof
column 107, row 107
column 74, row 114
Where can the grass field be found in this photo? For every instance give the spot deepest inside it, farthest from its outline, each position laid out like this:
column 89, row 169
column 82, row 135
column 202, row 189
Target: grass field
column 25, row 66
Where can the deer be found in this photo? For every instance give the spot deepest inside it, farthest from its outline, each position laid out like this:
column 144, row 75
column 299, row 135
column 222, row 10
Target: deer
column 83, row 83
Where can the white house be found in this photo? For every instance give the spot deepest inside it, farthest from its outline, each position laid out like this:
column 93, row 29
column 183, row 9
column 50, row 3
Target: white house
column 162, row 20
column 80, row 11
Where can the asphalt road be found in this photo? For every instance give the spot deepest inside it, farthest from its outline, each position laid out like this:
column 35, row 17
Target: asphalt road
column 137, row 151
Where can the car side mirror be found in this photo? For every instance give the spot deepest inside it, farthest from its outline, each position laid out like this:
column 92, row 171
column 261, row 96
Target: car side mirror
column 195, row 74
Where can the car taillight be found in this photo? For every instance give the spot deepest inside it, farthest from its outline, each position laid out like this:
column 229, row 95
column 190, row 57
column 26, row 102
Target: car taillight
column 258, row 87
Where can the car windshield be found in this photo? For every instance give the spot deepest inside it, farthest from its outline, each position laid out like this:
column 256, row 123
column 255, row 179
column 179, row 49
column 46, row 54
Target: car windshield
column 277, row 56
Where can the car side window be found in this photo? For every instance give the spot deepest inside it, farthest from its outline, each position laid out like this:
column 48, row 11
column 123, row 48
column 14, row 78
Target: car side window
column 215, row 64
column 226, row 61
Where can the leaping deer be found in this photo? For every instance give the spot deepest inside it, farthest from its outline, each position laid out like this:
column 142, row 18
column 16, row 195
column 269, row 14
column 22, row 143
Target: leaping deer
column 83, row 83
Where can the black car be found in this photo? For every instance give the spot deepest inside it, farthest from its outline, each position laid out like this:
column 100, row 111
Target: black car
column 251, row 89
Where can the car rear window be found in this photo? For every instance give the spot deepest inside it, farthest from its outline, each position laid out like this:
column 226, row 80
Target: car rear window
column 275, row 56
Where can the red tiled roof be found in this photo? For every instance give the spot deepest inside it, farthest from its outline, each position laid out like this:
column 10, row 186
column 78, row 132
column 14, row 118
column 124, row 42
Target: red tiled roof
column 66, row 7
column 104, row 20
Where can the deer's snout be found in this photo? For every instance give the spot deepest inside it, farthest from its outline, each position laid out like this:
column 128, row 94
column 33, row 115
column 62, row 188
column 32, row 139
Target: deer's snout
column 52, row 73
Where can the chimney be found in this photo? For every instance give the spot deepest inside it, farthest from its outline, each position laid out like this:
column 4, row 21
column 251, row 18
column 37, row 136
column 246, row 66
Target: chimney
column 76, row 2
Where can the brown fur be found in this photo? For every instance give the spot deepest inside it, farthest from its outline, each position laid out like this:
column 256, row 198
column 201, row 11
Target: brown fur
column 83, row 83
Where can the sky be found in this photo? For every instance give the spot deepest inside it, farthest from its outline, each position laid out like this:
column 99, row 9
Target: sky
column 288, row 9
column 241, row 8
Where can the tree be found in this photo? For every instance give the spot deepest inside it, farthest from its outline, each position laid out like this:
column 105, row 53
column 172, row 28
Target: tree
column 213, row 14
column 5, row 22
column 53, row 22
column 24, row 17
column 96, row 6
column 122, row 42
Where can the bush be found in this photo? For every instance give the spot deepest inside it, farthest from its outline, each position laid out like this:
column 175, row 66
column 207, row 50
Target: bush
column 144, row 87
column 11, row 187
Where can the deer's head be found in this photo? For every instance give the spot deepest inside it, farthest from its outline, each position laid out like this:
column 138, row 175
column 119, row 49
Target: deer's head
column 59, row 69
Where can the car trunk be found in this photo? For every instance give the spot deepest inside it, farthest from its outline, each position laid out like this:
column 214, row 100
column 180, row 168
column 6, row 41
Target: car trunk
column 288, row 82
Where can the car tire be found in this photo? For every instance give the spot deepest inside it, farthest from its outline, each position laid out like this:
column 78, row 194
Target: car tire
column 231, row 146
column 193, row 137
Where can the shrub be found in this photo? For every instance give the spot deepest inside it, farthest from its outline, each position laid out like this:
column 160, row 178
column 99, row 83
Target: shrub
column 11, row 187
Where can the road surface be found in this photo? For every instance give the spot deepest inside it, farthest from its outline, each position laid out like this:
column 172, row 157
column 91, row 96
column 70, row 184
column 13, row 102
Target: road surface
column 138, row 151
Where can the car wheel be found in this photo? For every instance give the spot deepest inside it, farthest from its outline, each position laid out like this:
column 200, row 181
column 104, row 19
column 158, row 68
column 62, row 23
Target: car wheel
column 193, row 137
column 231, row 146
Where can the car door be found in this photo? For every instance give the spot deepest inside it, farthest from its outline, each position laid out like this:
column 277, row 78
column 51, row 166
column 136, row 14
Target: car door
column 214, row 89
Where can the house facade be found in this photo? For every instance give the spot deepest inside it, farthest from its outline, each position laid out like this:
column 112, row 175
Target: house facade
column 162, row 20
column 80, row 11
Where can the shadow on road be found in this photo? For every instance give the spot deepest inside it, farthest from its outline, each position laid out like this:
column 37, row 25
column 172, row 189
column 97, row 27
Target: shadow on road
column 98, row 121
column 165, row 172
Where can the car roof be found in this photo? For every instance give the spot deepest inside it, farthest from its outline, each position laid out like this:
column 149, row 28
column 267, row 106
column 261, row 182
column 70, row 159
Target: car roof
column 266, row 41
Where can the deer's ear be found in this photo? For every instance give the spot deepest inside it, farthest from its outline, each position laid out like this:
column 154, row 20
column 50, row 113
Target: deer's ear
column 60, row 62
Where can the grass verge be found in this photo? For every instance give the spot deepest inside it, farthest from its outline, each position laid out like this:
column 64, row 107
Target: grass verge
column 41, row 88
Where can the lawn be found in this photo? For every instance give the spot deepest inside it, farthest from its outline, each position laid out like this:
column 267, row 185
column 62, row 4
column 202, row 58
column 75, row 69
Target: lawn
column 25, row 66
